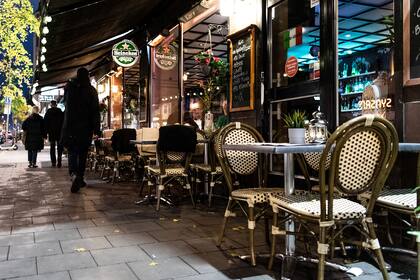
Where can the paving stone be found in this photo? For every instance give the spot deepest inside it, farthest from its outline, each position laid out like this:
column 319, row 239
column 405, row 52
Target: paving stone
column 168, row 249
column 50, row 219
column 65, row 262
column 138, row 227
column 111, row 272
column 16, row 222
column 55, row 235
column 17, row 268
column 206, row 276
column 3, row 253
column 99, row 231
column 34, row 250
column 162, row 269
column 13, row 239
column 173, row 234
column 104, row 221
column 33, row 228
column 130, row 239
column 203, row 244
column 119, row 255
column 87, row 244
column 212, row 262
column 74, row 224
column 63, row 275
column 6, row 230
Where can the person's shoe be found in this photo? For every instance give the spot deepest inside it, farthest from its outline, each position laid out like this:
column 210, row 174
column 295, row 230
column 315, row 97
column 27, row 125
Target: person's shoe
column 53, row 164
column 30, row 165
column 59, row 164
column 34, row 166
column 75, row 186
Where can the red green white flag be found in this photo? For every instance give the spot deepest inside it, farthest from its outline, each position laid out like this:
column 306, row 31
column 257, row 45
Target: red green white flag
column 292, row 37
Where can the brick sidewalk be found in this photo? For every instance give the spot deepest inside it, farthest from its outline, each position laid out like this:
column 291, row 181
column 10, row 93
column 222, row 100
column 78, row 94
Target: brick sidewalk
column 48, row 233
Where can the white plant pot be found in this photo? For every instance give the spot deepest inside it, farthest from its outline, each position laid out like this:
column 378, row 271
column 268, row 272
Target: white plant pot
column 296, row 135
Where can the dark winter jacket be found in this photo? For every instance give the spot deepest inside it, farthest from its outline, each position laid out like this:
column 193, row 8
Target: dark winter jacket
column 81, row 116
column 35, row 132
column 53, row 121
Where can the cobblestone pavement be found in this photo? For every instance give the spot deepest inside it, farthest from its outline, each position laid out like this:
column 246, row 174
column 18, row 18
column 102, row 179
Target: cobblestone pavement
column 48, row 233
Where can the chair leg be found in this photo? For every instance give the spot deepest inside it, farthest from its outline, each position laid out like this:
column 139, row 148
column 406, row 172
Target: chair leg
column 251, row 228
column 273, row 242
column 188, row 185
column 159, row 188
column 211, row 185
column 225, row 220
column 143, row 181
column 321, row 253
column 377, row 250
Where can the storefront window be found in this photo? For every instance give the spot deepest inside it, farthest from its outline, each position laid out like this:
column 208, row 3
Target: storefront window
column 295, row 42
column 165, row 81
column 365, row 65
column 116, row 101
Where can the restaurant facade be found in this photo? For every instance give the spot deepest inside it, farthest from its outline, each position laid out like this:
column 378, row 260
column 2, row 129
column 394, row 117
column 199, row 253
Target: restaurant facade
column 253, row 61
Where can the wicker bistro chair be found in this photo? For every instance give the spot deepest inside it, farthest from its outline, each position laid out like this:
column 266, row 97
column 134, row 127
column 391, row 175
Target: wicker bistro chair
column 253, row 202
column 175, row 148
column 122, row 156
column 212, row 170
column 401, row 203
column 363, row 152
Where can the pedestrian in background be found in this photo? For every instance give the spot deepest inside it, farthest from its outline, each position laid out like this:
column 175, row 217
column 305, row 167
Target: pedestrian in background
column 53, row 120
column 81, row 122
column 34, row 129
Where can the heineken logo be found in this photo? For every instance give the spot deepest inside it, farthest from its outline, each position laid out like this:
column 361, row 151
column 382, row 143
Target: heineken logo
column 125, row 53
column 166, row 57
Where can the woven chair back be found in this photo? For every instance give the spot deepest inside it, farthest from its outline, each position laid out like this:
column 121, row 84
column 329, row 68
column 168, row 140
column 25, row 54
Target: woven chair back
column 241, row 162
column 176, row 143
column 364, row 151
column 313, row 159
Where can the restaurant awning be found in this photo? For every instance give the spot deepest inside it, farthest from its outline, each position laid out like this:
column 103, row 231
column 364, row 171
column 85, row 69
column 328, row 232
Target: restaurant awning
column 82, row 32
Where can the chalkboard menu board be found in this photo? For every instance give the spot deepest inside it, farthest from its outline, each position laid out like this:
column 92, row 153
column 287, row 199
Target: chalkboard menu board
column 242, row 69
column 415, row 39
column 412, row 42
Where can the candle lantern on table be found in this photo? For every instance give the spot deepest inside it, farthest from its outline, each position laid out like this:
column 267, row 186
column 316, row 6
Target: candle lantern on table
column 318, row 129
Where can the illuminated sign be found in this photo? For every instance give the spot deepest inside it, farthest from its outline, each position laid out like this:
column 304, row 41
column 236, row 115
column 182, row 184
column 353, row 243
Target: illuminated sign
column 375, row 104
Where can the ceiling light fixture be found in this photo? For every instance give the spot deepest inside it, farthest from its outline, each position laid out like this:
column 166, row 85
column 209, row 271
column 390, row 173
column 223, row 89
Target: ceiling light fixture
column 347, row 35
column 42, row 58
column 47, row 19
column 45, row 30
column 43, row 49
column 44, row 41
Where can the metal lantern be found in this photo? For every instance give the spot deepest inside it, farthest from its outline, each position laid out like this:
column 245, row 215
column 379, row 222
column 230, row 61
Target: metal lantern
column 317, row 129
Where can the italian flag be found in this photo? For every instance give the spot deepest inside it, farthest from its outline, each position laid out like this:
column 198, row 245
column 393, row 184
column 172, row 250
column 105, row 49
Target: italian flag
column 292, row 37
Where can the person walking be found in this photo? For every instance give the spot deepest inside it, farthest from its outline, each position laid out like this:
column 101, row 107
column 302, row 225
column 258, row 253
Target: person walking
column 81, row 122
column 53, row 121
column 34, row 129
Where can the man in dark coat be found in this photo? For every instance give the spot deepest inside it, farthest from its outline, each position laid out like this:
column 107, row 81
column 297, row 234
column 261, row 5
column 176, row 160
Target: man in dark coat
column 53, row 123
column 34, row 129
column 81, row 122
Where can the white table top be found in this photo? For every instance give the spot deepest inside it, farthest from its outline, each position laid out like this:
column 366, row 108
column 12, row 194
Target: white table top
column 286, row 148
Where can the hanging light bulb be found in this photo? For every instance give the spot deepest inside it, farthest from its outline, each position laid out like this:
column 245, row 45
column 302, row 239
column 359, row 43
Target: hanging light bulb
column 47, row 19
column 45, row 30
column 44, row 41
column 43, row 49
column 42, row 58
column 44, row 67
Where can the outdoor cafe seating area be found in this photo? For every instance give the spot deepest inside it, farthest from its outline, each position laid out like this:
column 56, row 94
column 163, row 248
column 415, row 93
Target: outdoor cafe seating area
column 349, row 208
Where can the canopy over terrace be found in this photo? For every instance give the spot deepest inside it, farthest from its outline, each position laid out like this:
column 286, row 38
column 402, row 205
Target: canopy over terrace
column 82, row 32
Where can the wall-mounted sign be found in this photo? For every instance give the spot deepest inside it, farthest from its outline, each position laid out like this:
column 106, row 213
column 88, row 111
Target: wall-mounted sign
column 166, row 56
column 242, row 69
column 411, row 41
column 291, row 67
column 125, row 53
column 377, row 104
column 46, row 98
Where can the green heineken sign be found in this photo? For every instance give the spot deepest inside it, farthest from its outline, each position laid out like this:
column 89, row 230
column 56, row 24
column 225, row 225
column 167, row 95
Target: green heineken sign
column 125, row 53
column 166, row 57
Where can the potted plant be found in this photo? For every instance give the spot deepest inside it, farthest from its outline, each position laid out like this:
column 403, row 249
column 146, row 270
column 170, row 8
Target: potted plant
column 295, row 122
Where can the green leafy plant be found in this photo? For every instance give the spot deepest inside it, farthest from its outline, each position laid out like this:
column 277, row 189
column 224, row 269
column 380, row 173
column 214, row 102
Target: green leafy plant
column 17, row 23
column 216, row 71
column 296, row 119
